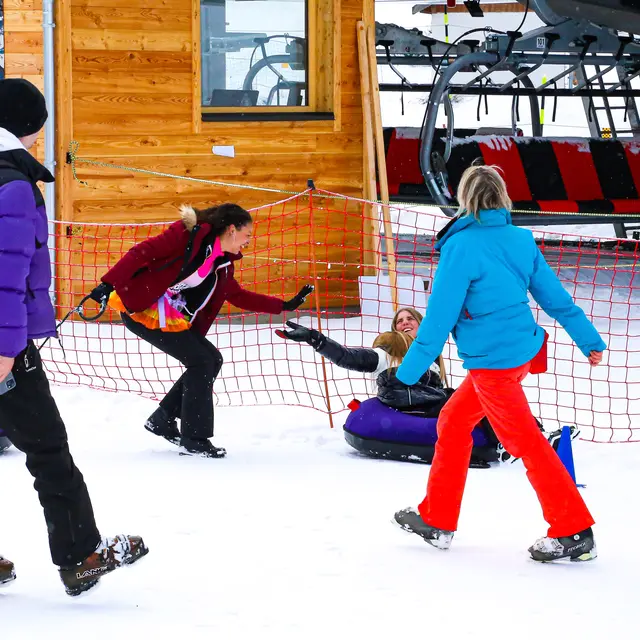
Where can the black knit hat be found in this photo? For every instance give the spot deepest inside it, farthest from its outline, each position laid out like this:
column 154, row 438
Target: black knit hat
column 22, row 107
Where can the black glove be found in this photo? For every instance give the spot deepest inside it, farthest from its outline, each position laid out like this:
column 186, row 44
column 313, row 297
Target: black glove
column 302, row 334
column 298, row 299
column 101, row 293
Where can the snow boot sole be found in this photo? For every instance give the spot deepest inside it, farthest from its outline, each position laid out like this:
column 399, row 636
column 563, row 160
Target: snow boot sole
column 82, row 588
column 587, row 556
column 7, row 571
column 220, row 453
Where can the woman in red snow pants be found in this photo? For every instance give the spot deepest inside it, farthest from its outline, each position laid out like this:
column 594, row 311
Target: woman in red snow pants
column 497, row 394
column 486, row 270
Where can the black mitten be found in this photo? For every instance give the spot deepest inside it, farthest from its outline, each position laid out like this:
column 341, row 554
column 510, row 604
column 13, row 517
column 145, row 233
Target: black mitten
column 101, row 293
column 298, row 299
column 301, row 333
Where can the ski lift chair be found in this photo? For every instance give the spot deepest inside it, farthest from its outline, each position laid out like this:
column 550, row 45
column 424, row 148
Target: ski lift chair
column 402, row 153
column 579, row 180
column 591, row 180
column 594, row 177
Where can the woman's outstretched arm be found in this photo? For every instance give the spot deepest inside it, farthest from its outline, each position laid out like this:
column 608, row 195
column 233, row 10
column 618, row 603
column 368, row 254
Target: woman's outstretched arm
column 351, row 358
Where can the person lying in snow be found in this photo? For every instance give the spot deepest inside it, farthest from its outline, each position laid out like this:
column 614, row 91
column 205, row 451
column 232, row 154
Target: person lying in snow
column 424, row 399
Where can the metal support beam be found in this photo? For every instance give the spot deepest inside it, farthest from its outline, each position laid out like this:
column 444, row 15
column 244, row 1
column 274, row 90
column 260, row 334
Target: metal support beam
column 496, row 90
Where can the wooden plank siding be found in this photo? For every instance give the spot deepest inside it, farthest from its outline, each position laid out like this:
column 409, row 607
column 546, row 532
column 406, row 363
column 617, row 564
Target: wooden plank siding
column 23, row 47
column 127, row 78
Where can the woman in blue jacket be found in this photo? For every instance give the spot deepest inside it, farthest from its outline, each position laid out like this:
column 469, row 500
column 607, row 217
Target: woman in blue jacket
column 480, row 295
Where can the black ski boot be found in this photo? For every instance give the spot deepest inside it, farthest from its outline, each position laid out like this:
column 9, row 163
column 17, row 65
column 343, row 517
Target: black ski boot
column 578, row 548
column 7, row 571
column 160, row 423
column 202, row 448
column 410, row 520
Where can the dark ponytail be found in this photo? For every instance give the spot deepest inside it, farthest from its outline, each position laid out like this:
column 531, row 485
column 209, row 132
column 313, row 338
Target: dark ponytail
column 223, row 216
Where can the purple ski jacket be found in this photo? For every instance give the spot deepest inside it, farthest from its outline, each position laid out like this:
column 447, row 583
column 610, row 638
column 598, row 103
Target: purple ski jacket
column 26, row 311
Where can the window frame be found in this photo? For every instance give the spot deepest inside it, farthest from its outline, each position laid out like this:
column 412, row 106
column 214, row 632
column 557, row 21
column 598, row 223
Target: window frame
column 257, row 113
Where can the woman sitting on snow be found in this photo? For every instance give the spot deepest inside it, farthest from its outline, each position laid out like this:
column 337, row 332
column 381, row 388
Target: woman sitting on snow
column 394, row 421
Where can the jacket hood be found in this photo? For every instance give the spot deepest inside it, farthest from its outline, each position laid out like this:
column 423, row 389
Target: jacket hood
column 488, row 218
column 190, row 219
column 8, row 142
column 13, row 152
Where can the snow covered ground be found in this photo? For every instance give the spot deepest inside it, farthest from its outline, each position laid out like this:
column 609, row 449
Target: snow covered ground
column 290, row 537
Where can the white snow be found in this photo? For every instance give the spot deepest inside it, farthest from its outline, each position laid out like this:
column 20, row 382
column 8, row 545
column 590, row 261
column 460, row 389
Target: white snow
column 290, row 537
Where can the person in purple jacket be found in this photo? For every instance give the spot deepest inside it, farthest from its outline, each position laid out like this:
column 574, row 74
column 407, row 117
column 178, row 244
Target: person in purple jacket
column 28, row 414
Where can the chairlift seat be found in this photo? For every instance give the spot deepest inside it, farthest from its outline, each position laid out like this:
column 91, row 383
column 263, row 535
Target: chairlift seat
column 402, row 153
column 574, row 175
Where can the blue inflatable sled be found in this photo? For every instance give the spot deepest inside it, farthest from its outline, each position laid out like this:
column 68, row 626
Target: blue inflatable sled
column 379, row 431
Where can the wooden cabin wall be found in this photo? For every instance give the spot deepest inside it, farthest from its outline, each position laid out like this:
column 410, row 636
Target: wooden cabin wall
column 24, row 47
column 128, row 93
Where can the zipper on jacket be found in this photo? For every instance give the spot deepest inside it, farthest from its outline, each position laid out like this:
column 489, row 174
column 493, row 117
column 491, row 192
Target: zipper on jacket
column 159, row 269
column 467, row 314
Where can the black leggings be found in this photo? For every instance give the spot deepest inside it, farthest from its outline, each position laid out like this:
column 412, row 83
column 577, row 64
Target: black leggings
column 190, row 398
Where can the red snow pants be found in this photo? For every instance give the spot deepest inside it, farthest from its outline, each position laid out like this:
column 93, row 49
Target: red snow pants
column 498, row 395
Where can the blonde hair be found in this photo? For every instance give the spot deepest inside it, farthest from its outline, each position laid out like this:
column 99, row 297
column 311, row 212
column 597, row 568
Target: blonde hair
column 482, row 187
column 395, row 344
column 416, row 314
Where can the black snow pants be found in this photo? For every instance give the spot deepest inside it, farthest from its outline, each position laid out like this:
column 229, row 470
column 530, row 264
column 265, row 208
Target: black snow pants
column 30, row 418
column 191, row 397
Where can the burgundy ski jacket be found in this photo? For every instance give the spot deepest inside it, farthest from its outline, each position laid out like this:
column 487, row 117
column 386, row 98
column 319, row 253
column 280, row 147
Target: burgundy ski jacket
column 149, row 268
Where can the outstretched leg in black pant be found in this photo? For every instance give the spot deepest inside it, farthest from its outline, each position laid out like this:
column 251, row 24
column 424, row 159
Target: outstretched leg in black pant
column 191, row 397
column 30, row 418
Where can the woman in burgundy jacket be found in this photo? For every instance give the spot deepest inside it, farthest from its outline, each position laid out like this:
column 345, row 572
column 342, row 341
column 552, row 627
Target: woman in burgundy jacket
column 170, row 288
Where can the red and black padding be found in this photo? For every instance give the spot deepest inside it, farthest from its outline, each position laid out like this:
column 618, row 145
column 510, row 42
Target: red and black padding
column 575, row 175
column 402, row 153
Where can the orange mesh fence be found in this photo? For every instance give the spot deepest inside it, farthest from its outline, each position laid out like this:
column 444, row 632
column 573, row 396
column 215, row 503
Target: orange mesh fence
column 334, row 243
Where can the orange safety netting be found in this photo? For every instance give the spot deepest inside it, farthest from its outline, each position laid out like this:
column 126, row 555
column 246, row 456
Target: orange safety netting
column 334, row 242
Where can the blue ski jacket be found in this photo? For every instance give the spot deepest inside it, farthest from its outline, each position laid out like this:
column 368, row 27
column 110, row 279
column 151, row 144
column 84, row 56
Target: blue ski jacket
column 479, row 295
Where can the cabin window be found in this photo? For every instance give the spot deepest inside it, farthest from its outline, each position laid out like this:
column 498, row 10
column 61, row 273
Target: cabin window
column 255, row 55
